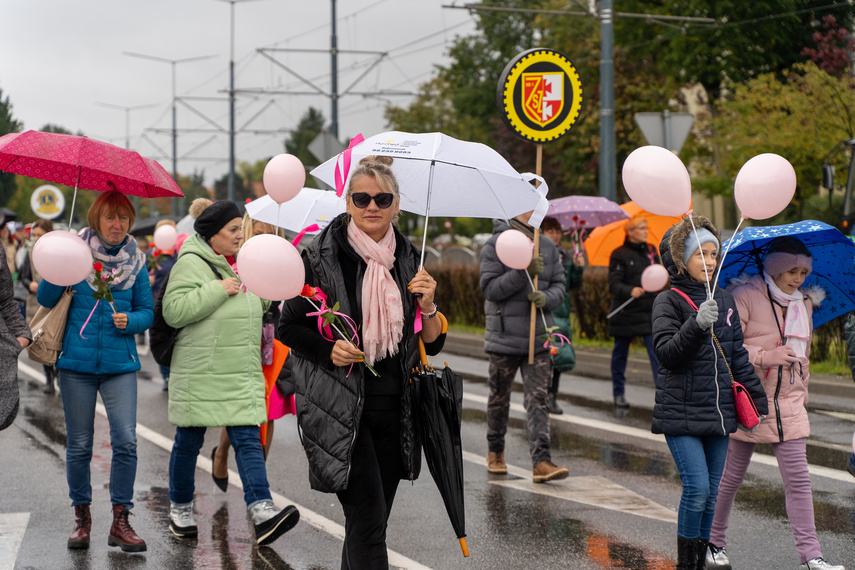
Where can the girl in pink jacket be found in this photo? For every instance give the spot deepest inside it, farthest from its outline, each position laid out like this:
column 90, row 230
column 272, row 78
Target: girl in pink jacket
column 776, row 317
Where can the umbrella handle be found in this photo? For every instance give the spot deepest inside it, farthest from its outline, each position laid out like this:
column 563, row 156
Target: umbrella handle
column 443, row 330
column 463, row 546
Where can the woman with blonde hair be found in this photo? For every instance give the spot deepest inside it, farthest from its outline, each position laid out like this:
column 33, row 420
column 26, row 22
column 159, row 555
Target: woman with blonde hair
column 357, row 430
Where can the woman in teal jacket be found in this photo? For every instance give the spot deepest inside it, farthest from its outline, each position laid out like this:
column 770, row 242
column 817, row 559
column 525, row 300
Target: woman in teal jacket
column 99, row 354
column 215, row 375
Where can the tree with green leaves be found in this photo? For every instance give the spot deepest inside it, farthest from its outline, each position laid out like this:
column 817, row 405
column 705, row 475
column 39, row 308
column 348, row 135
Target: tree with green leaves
column 780, row 113
column 8, row 124
column 297, row 143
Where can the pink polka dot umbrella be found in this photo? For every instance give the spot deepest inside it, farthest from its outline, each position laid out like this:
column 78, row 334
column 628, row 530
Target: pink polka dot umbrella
column 84, row 163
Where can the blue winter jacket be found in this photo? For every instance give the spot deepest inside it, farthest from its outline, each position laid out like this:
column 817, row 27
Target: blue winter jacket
column 102, row 348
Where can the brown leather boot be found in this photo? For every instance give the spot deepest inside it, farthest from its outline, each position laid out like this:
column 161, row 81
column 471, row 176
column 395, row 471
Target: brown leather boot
column 496, row 462
column 82, row 526
column 121, row 533
column 548, row 471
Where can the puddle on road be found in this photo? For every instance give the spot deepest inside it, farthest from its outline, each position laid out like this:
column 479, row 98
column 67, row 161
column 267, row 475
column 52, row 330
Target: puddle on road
column 755, row 495
column 507, row 513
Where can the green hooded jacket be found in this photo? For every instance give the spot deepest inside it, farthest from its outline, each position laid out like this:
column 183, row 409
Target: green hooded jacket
column 215, row 376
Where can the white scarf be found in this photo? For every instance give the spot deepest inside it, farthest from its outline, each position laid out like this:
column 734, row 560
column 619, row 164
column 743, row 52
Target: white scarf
column 382, row 308
column 796, row 323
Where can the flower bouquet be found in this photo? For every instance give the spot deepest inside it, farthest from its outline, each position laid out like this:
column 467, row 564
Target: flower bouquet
column 329, row 317
column 577, row 234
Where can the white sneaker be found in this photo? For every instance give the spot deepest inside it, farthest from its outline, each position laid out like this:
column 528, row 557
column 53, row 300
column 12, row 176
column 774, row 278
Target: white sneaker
column 270, row 523
column 182, row 523
column 716, row 558
column 820, row 564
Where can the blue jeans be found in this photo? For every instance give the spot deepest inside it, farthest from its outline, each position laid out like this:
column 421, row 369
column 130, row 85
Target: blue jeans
column 248, row 455
column 79, row 395
column 700, row 461
column 620, row 352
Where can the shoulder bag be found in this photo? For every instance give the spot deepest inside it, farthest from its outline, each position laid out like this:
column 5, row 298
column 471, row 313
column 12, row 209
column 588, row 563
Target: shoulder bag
column 48, row 327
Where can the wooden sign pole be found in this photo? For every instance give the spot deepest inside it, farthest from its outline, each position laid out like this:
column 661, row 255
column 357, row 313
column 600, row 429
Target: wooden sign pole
column 537, row 168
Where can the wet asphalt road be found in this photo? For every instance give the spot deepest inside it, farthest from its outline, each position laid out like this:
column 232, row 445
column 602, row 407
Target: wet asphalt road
column 617, row 509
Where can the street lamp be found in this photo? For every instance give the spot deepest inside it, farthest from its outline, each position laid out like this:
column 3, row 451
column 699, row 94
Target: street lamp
column 127, row 111
column 176, row 204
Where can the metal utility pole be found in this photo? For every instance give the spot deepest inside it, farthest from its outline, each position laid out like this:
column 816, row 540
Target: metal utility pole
column 231, row 187
column 607, row 103
column 176, row 202
column 334, row 76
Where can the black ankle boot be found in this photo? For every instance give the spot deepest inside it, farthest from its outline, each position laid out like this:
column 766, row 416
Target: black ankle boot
column 687, row 553
column 703, row 543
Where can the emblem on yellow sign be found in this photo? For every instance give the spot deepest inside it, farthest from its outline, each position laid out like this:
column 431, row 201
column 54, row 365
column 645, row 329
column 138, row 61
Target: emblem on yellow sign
column 540, row 95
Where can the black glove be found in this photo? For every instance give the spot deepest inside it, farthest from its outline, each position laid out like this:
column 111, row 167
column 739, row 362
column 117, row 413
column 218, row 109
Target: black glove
column 707, row 314
column 538, row 298
column 535, row 268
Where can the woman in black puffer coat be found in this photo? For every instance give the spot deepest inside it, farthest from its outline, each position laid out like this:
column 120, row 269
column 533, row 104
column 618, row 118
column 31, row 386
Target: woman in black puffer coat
column 694, row 392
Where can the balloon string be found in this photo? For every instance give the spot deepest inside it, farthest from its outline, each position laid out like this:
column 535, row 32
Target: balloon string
column 87, row 319
column 701, row 251
column 729, row 243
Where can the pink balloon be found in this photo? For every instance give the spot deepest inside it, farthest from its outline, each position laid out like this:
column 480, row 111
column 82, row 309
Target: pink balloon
column 657, row 180
column 514, row 249
column 165, row 237
column 654, row 278
column 271, row 268
column 764, row 186
column 62, row 258
column 284, row 177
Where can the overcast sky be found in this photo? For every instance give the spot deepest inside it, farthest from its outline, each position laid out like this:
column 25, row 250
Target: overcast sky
column 61, row 60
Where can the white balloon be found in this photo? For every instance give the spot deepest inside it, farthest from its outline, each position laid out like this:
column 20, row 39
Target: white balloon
column 62, row 258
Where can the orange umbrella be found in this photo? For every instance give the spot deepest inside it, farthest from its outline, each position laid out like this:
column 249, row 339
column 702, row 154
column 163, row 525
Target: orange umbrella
column 605, row 239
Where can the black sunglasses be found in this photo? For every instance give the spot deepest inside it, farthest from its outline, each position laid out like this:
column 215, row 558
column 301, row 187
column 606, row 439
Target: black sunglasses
column 362, row 199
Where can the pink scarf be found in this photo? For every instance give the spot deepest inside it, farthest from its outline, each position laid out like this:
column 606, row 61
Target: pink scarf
column 796, row 325
column 382, row 309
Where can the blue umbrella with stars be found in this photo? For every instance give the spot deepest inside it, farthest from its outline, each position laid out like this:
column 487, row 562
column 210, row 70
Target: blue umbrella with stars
column 833, row 262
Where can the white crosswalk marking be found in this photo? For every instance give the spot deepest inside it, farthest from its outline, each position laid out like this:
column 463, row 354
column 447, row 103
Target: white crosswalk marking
column 12, row 528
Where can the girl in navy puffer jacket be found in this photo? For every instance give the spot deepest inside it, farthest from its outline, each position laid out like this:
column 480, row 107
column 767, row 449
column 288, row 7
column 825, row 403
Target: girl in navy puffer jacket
column 694, row 395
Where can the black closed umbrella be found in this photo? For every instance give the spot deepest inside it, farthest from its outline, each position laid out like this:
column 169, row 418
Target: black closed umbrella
column 439, row 398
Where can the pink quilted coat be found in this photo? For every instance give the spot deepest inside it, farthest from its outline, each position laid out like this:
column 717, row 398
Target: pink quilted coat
column 787, row 419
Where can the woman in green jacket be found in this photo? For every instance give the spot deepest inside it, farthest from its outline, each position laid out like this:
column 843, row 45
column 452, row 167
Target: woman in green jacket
column 215, row 374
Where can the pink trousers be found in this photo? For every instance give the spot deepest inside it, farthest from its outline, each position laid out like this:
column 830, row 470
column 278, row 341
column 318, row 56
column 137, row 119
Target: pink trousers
column 792, row 461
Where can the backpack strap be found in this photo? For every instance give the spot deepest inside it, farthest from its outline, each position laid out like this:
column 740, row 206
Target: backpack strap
column 211, row 265
column 686, row 297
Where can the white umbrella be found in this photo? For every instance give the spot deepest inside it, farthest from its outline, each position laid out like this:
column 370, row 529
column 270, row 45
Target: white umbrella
column 441, row 176
column 310, row 206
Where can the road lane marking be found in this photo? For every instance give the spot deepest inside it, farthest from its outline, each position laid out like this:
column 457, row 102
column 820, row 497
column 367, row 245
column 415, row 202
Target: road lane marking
column 314, row 519
column 763, row 459
column 12, row 528
column 594, row 490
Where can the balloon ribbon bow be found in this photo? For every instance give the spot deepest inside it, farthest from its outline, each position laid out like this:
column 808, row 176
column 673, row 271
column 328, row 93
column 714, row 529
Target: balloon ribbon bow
column 331, row 318
column 341, row 175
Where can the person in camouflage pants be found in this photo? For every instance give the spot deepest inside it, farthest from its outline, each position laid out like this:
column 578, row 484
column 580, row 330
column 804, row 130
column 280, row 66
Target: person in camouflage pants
column 508, row 299
column 536, row 380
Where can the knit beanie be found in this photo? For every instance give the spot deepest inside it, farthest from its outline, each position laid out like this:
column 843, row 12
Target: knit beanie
column 215, row 217
column 695, row 240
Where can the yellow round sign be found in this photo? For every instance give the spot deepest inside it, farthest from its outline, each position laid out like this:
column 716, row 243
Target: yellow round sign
column 540, row 95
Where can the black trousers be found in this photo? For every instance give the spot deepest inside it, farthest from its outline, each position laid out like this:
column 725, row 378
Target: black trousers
column 376, row 469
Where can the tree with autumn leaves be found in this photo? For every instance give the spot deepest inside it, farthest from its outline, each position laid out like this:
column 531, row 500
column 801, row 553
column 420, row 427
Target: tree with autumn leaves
column 765, row 76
